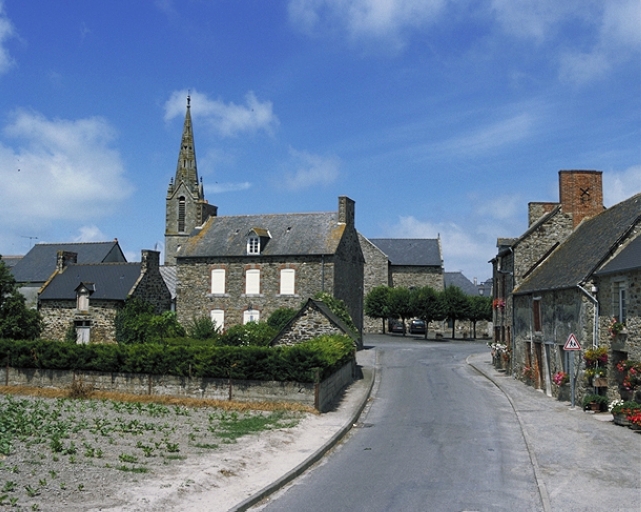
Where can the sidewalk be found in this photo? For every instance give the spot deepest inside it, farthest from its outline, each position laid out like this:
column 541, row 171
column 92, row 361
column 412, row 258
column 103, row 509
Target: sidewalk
column 582, row 461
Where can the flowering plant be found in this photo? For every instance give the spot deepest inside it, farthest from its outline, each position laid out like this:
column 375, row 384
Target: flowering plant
column 561, row 378
column 632, row 373
column 635, row 418
column 596, row 357
column 615, row 327
column 498, row 303
column 615, row 405
column 623, row 407
column 529, row 372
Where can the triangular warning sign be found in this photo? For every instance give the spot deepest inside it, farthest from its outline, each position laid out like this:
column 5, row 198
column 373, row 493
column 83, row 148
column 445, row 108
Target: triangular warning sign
column 572, row 343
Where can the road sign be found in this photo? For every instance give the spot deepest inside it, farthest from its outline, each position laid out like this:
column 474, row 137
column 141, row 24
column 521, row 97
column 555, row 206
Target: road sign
column 572, row 343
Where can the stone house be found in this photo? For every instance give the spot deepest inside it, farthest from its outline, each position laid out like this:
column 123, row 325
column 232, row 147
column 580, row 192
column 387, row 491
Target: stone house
column 237, row 269
column 33, row 270
column 312, row 320
column 407, row 262
column 549, row 224
column 88, row 296
column 577, row 289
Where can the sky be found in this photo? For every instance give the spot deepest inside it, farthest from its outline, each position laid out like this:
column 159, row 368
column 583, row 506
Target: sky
column 440, row 118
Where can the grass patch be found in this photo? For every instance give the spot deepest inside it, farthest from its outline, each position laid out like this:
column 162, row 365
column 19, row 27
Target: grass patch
column 233, row 426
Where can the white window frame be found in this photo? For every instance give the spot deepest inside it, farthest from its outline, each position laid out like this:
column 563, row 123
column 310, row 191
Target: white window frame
column 251, row 315
column 253, row 244
column 252, row 281
column 620, row 301
column 83, row 300
column 218, row 281
column 287, row 281
column 218, row 317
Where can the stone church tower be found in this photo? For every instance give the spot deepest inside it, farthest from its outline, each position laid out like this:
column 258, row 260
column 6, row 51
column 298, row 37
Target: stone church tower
column 186, row 207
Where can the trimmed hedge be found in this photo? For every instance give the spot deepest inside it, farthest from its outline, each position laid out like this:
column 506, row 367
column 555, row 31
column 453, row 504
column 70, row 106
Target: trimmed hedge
column 295, row 363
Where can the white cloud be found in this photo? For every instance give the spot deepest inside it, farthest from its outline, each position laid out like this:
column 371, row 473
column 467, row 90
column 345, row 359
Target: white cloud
column 228, row 119
column 370, row 18
column 506, row 131
column 6, row 32
column 500, row 208
column 618, row 186
column 221, row 188
column 90, row 234
column 307, row 170
column 59, row 170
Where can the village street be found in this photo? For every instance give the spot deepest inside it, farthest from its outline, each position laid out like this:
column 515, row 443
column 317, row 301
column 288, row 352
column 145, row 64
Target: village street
column 444, row 431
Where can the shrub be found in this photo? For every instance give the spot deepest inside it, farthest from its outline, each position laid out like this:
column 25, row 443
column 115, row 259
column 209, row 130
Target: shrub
column 252, row 334
column 203, row 328
column 279, row 318
column 337, row 307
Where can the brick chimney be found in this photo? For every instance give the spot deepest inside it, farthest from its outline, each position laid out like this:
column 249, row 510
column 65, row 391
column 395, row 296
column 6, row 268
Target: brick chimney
column 346, row 210
column 64, row 258
column 581, row 194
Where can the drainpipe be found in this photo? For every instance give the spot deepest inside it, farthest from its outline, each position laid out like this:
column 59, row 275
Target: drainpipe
column 322, row 272
column 595, row 322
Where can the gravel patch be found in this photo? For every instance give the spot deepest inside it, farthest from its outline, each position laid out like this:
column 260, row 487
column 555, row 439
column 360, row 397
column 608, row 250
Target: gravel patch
column 87, row 454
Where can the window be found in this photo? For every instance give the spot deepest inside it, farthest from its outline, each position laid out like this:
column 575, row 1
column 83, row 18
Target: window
column 218, row 317
column 83, row 331
column 218, row 281
column 253, row 245
column 619, row 299
column 251, row 315
column 252, row 281
column 536, row 314
column 287, row 281
column 181, row 214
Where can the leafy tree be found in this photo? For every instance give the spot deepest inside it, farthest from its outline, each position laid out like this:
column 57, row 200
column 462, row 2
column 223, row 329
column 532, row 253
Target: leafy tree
column 203, row 328
column 137, row 322
column 455, row 305
column 279, row 318
column 17, row 321
column 427, row 305
column 377, row 303
column 252, row 334
column 480, row 308
column 400, row 304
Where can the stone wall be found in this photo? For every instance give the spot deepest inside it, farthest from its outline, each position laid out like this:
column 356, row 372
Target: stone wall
column 194, row 297
column 375, row 273
column 151, row 286
column 348, row 275
column 417, row 277
column 311, row 324
column 59, row 315
column 319, row 395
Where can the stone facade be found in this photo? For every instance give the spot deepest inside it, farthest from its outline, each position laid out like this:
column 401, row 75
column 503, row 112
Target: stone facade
column 60, row 308
column 376, row 273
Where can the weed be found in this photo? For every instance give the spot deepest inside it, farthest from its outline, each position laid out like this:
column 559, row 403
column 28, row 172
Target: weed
column 31, row 492
column 9, row 486
column 123, row 457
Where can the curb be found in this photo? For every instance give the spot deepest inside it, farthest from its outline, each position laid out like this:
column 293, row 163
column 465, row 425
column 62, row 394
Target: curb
column 369, row 378
column 538, row 475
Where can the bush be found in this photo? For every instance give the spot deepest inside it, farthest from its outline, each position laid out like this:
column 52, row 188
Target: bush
column 252, row 334
column 203, row 328
column 337, row 307
column 297, row 363
column 279, row 318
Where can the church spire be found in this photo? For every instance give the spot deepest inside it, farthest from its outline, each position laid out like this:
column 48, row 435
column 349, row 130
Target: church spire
column 186, row 170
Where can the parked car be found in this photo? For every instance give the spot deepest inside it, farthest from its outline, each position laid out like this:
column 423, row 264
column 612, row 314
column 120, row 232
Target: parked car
column 395, row 326
column 418, row 326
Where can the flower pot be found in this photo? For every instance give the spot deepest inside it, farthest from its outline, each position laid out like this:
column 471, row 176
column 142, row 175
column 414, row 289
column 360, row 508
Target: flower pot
column 564, row 393
column 594, row 406
column 620, row 419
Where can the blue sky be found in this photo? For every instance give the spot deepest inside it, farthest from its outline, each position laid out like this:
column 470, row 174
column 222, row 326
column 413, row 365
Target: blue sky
column 438, row 117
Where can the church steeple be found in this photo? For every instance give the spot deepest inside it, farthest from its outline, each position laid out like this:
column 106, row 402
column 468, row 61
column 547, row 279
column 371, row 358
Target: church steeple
column 186, row 169
column 186, row 207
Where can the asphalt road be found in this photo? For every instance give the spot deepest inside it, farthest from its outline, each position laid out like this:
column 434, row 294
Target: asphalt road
column 436, row 436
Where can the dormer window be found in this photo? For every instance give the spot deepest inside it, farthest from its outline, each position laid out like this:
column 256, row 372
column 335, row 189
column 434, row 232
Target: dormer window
column 83, row 292
column 253, row 245
column 257, row 238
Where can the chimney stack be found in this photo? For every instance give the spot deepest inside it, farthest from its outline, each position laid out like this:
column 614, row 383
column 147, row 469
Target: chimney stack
column 581, row 194
column 346, row 210
column 64, row 258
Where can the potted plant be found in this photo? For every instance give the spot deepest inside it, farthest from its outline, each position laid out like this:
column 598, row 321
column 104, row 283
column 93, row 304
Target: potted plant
column 615, row 328
column 594, row 402
column 560, row 378
column 631, row 371
column 622, row 409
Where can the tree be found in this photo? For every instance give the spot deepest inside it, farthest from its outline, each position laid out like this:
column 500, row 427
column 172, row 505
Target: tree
column 400, row 304
column 377, row 303
column 203, row 328
column 17, row 321
column 455, row 304
column 280, row 317
column 427, row 305
column 480, row 308
column 138, row 322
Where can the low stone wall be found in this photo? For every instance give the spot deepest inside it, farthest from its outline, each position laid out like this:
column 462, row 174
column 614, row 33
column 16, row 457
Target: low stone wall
column 320, row 395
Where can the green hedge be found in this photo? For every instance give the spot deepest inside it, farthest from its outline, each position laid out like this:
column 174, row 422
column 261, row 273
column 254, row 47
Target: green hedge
column 296, row 363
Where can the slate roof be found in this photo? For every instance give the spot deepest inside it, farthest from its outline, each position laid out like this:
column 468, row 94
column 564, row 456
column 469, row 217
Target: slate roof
column 587, row 248
column 112, row 281
column 11, row 261
column 40, row 262
column 168, row 273
column 291, row 234
column 628, row 259
column 460, row 281
column 420, row 252
column 507, row 244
